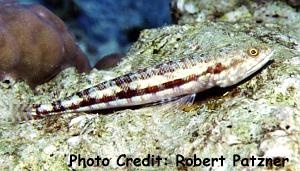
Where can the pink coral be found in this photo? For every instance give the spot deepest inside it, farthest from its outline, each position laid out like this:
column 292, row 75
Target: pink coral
column 35, row 44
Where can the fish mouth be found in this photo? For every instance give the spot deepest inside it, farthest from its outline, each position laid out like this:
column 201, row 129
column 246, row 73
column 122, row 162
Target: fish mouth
column 260, row 63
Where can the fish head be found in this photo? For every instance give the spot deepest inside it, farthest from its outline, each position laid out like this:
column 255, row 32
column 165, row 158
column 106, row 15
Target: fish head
column 243, row 63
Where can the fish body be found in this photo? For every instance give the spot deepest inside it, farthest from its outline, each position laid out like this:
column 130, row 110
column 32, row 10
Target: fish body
column 168, row 80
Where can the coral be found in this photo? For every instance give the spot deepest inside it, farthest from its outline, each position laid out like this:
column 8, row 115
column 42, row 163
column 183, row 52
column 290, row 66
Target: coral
column 109, row 61
column 35, row 44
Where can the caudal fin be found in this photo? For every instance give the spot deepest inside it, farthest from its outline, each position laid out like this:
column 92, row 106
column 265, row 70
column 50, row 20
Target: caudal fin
column 15, row 112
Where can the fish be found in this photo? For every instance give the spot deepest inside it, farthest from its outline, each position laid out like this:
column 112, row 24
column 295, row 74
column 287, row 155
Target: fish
column 168, row 80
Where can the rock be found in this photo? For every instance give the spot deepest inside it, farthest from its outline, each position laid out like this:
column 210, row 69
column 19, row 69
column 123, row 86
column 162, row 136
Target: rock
column 260, row 11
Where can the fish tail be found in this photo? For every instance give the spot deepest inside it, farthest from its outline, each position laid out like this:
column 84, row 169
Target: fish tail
column 25, row 113
column 17, row 113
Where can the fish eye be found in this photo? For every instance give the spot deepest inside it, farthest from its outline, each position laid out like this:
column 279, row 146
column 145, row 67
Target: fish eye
column 253, row 52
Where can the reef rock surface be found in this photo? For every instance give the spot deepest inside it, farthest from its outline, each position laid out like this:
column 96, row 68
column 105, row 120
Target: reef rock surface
column 258, row 117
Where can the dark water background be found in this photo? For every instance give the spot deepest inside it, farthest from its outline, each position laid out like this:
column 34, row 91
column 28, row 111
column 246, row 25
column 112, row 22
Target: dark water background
column 103, row 27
